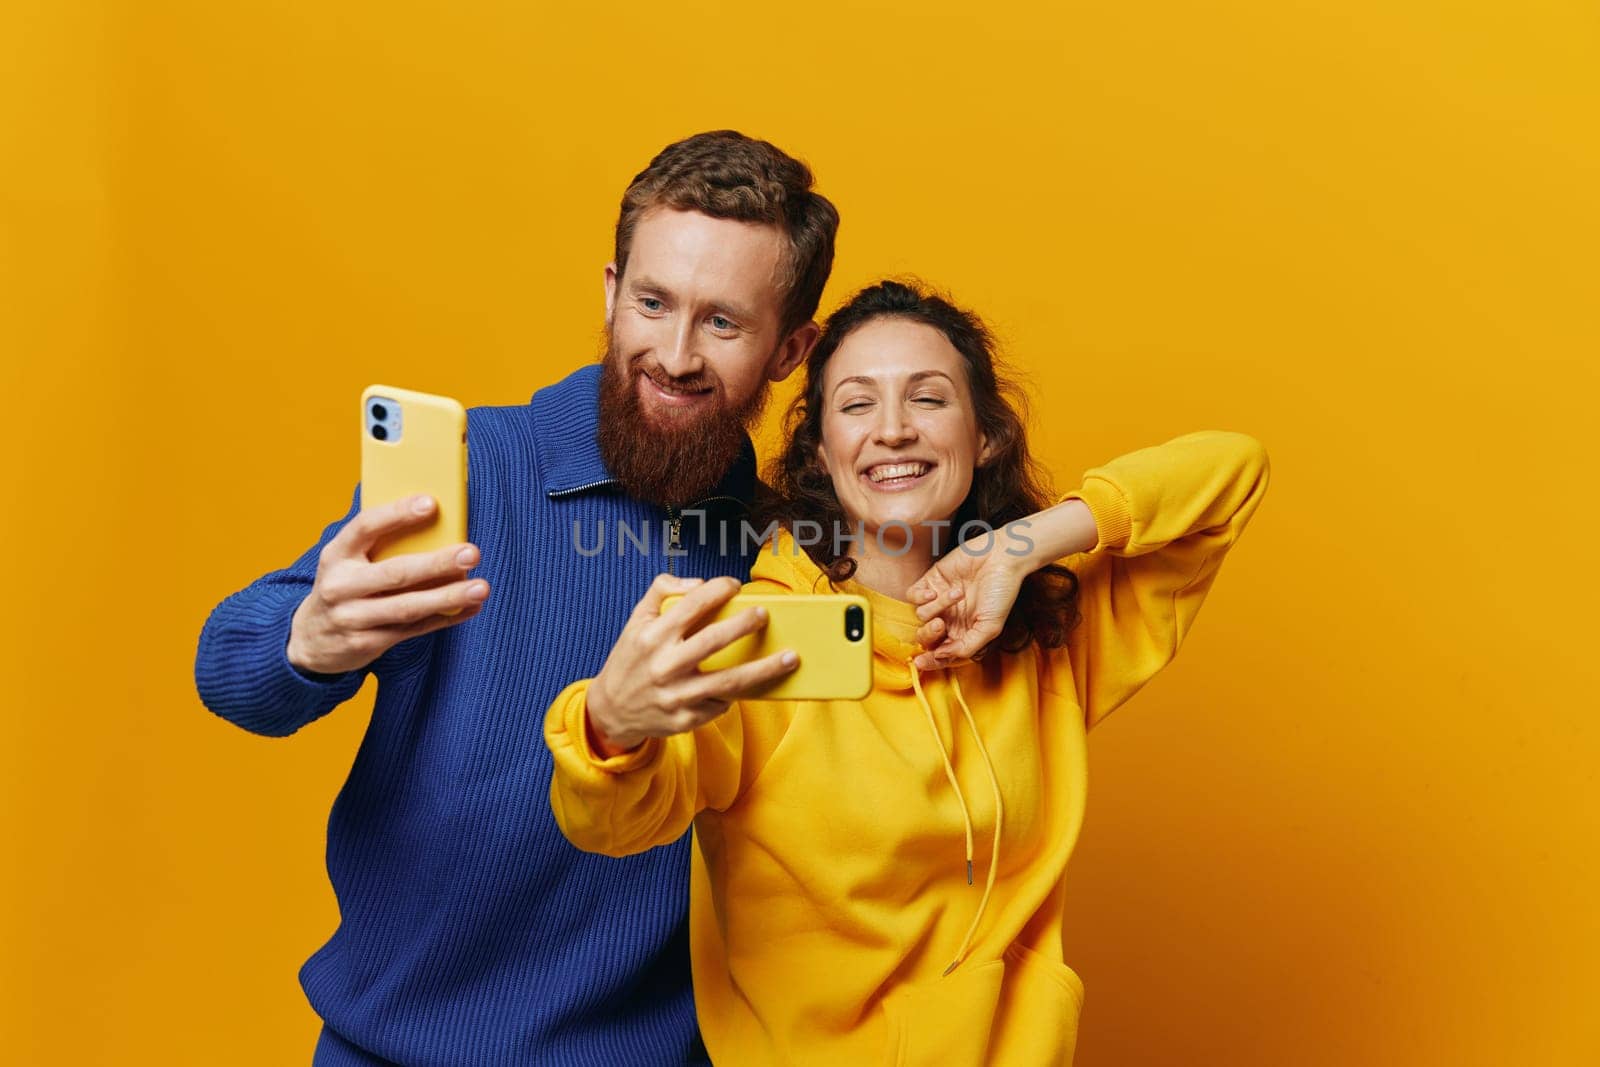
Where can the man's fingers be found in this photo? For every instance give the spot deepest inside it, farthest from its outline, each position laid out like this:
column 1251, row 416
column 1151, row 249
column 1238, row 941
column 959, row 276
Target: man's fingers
column 375, row 523
column 435, row 622
column 717, row 636
column 398, row 574
column 404, row 609
column 375, row 642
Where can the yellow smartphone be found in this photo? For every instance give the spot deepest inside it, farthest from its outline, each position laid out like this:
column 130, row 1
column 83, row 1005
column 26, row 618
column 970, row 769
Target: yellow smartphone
column 831, row 633
column 415, row 443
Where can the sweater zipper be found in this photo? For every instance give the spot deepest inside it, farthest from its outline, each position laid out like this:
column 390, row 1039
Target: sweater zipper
column 553, row 493
column 675, row 529
column 674, row 516
column 675, row 525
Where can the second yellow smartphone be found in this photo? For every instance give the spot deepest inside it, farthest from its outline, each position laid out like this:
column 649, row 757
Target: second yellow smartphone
column 832, row 635
column 415, row 443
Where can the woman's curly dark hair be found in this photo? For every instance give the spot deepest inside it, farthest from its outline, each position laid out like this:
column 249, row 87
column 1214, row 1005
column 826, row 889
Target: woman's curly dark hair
column 1007, row 487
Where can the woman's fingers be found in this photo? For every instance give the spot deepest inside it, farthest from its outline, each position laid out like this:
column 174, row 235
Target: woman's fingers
column 940, row 603
column 930, row 632
column 731, row 683
column 685, row 657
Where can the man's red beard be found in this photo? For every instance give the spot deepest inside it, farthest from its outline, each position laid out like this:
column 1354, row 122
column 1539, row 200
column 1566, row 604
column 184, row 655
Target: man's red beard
column 669, row 457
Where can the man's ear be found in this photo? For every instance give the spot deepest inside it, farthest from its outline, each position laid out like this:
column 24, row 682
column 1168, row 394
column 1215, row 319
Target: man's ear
column 611, row 290
column 794, row 350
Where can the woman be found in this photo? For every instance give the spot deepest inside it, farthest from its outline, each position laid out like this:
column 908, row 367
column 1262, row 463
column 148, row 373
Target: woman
column 834, row 917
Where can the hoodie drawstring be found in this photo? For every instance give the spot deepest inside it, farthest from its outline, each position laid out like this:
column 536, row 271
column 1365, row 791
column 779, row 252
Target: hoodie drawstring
column 999, row 819
column 949, row 770
column 966, row 815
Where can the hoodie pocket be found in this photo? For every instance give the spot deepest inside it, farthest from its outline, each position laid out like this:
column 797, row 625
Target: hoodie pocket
column 1019, row 1010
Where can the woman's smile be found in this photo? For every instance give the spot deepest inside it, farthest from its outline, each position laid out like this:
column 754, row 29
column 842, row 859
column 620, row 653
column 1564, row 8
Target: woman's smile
column 897, row 475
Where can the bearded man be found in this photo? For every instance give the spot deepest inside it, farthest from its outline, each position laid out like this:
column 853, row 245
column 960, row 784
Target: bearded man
column 471, row 932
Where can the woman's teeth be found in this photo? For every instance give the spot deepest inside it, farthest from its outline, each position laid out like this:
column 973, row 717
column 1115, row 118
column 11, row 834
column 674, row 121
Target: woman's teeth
column 886, row 472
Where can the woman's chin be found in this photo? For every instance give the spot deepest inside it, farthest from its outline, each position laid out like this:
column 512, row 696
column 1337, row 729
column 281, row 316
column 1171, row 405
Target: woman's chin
column 892, row 523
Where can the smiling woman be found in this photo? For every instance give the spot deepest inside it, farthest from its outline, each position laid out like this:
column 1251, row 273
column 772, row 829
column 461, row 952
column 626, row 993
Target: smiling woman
column 834, row 918
column 906, row 399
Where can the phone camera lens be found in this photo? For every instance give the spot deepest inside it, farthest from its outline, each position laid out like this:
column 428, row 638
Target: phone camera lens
column 380, row 433
column 380, row 412
column 854, row 622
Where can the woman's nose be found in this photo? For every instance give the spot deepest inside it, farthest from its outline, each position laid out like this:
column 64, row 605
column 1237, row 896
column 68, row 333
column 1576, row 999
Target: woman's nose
column 895, row 429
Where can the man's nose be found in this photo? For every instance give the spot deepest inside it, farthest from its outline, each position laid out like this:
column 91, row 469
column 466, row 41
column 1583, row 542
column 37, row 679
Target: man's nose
column 681, row 358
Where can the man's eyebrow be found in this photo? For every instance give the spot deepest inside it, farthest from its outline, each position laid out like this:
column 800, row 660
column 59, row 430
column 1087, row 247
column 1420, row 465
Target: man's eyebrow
column 917, row 377
column 646, row 284
column 643, row 283
column 738, row 311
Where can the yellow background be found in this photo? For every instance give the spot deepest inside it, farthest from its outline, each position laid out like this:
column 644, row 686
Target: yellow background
column 1355, row 823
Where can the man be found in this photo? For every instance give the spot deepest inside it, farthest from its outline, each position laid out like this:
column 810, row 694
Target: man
column 471, row 932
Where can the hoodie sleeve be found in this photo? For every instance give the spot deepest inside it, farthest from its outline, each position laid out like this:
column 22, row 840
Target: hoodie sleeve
column 1166, row 518
column 649, row 796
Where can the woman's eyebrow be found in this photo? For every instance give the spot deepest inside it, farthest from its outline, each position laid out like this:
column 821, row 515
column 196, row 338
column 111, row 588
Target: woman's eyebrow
column 863, row 379
column 860, row 379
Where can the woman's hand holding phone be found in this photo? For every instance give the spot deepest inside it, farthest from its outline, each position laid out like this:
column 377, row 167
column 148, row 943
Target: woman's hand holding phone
column 359, row 609
column 651, row 684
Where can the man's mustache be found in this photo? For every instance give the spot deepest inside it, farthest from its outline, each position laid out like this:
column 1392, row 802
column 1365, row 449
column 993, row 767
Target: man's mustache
column 694, row 383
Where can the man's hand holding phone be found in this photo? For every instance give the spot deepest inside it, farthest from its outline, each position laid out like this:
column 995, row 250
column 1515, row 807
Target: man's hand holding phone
column 652, row 685
column 359, row 609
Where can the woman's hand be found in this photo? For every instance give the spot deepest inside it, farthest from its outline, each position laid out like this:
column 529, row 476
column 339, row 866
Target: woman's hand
column 651, row 684
column 963, row 601
column 965, row 598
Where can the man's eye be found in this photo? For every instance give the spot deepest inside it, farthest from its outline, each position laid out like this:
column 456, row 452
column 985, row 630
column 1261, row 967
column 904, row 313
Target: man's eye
column 650, row 303
column 720, row 322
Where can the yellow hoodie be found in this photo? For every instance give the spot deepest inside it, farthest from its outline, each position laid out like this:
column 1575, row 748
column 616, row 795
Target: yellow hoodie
column 834, row 916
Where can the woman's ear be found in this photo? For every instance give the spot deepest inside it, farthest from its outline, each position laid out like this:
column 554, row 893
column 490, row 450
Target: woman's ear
column 985, row 451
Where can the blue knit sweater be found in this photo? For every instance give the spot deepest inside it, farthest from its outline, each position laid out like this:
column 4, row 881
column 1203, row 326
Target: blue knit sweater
column 471, row 932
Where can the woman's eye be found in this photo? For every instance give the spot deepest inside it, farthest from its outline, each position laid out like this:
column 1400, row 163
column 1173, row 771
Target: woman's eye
column 929, row 401
column 856, row 405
